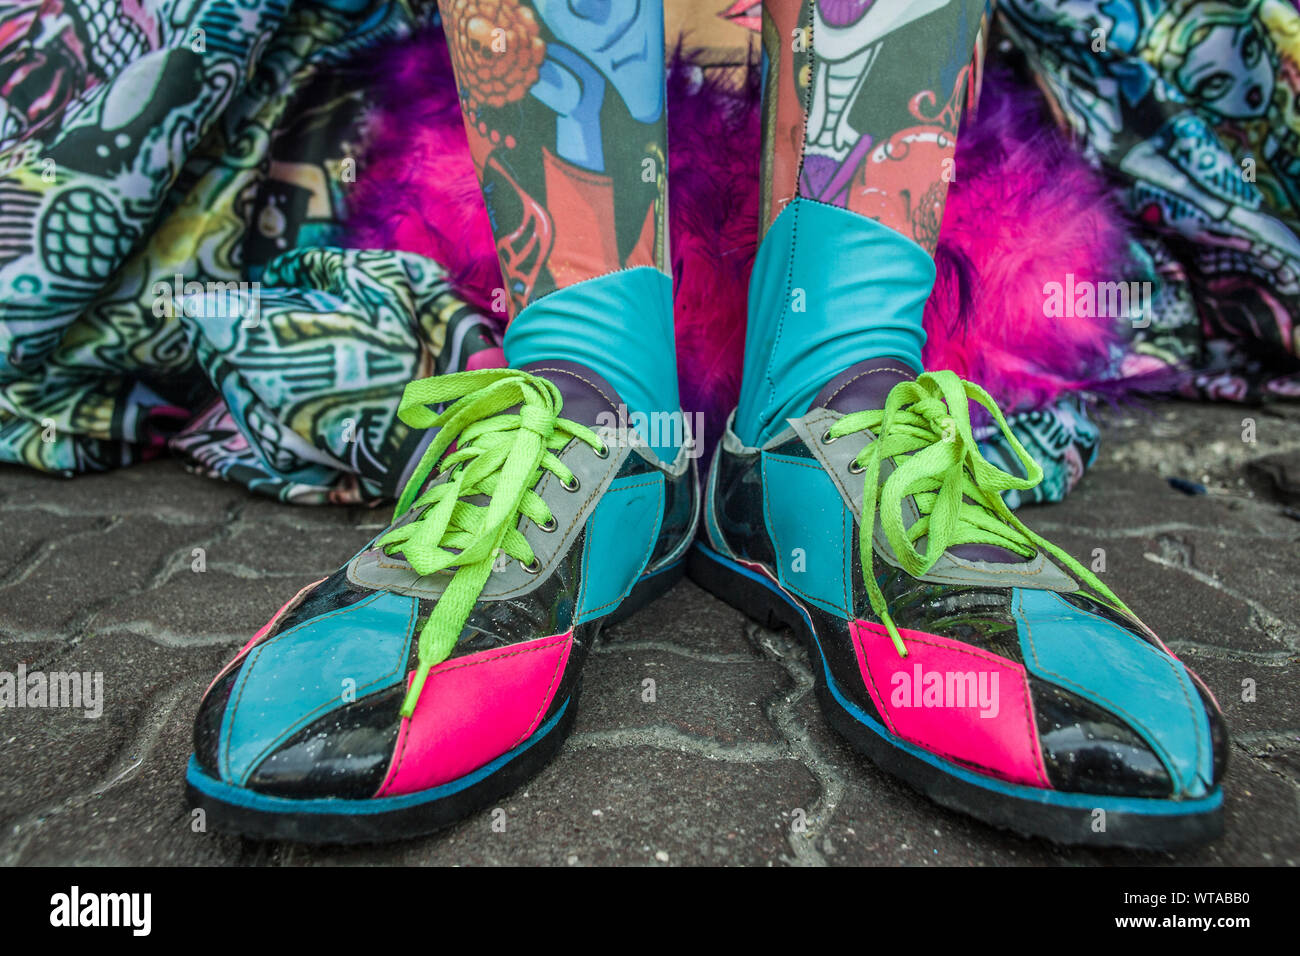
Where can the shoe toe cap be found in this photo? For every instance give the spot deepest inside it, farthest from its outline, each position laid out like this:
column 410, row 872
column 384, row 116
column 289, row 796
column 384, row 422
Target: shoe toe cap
column 1116, row 712
column 314, row 708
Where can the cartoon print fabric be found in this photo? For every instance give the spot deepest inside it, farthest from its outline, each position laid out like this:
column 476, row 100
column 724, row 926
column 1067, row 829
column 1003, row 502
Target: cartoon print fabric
column 171, row 175
column 214, row 140
column 564, row 108
column 862, row 105
column 1194, row 105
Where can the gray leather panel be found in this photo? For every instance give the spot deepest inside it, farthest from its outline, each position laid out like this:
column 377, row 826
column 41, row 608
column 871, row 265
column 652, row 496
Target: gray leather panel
column 1039, row 572
column 374, row 569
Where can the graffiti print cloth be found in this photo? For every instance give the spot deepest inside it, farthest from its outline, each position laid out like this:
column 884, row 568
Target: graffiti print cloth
column 1194, row 105
column 171, row 177
column 165, row 163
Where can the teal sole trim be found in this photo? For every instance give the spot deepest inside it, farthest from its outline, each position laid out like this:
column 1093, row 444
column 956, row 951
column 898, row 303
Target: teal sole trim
column 265, row 803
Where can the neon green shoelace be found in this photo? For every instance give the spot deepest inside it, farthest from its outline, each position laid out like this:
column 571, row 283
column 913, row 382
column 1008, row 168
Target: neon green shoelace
column 498, row 455
column 925, row 431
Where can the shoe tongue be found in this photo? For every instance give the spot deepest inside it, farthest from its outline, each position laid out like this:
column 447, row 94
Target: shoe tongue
column 587, row 396
column 866, row 385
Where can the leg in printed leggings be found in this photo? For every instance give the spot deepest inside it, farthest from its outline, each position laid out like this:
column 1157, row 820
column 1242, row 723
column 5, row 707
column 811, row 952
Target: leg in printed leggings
column 850, row 501
column 526, row 527
column 564, row 107
column 860, row 112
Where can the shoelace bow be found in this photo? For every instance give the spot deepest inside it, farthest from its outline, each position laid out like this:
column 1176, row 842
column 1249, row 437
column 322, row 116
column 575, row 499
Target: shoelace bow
column 925, row 431
column 483, row 451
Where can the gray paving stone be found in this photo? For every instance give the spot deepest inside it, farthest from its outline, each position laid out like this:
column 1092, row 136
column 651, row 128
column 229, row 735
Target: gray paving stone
column 718, row 701
column 689, row 617
column 159, row 489
column 106, row 559
column 28, row 535
column 207, row 608
column 262, row 547
column 49, row 756
column 625, row 805
column 1279, row 754
column 1179, row 564
column 134, row 812
column 1273, row 708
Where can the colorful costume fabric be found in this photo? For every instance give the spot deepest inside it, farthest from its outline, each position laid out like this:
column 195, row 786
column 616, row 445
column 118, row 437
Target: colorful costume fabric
column 218, row 141
column 1192, row 104
column 171, row 176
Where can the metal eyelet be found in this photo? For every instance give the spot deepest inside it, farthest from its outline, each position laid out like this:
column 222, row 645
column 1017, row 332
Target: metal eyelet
column 550, row 525
column 533, row 566
column 602, row 451
column 855, row 468
column 571, row 487
column 827, row 438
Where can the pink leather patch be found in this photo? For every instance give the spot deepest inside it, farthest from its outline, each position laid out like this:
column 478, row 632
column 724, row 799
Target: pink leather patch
column 473, row 709
column 954, row 700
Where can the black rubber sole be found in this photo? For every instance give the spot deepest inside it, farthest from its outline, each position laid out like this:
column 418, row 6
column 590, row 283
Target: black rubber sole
column 322, row 827
column 1124, row 826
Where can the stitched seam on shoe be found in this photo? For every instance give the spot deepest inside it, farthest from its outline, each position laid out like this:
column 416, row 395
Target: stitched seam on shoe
column 982, row 655
column 767, row 514
column 1173, row 666
column 1027, row 574
column 294, row 603
column 884, row 711
column 573, row 523
column 565, row 371
column 846, row 545
column 794, row 200
column 835, row 394
column 697, row 504
column 582, row 590
column 537, row 717
column 321, row 708
column 1028, row 710
column 936, row 576
column 1161, row 750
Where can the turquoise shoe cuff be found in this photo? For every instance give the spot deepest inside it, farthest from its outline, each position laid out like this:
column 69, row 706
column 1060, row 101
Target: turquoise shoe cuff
column 829, row 288
column 620, row 325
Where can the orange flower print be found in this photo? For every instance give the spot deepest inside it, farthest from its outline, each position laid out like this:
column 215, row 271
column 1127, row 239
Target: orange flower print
column 496, row 47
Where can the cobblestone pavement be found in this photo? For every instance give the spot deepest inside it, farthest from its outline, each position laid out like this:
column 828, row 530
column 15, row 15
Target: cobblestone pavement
column 97, row 574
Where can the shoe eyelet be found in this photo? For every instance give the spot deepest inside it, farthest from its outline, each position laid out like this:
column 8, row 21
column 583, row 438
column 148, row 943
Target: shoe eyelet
column 571, row 487
column 603, row 451
column 550, row 525
column 827, row 438
column 855, row 468
column 533, row 566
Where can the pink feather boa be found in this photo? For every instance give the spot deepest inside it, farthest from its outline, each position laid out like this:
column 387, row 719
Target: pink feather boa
column 1025, row 210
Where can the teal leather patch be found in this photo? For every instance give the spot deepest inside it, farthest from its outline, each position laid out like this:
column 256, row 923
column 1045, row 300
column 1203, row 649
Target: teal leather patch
column 297, row 676
column 621, row 536
column 1101, row 661
column 621, row 326
column 812, row 531
column 830, row 288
